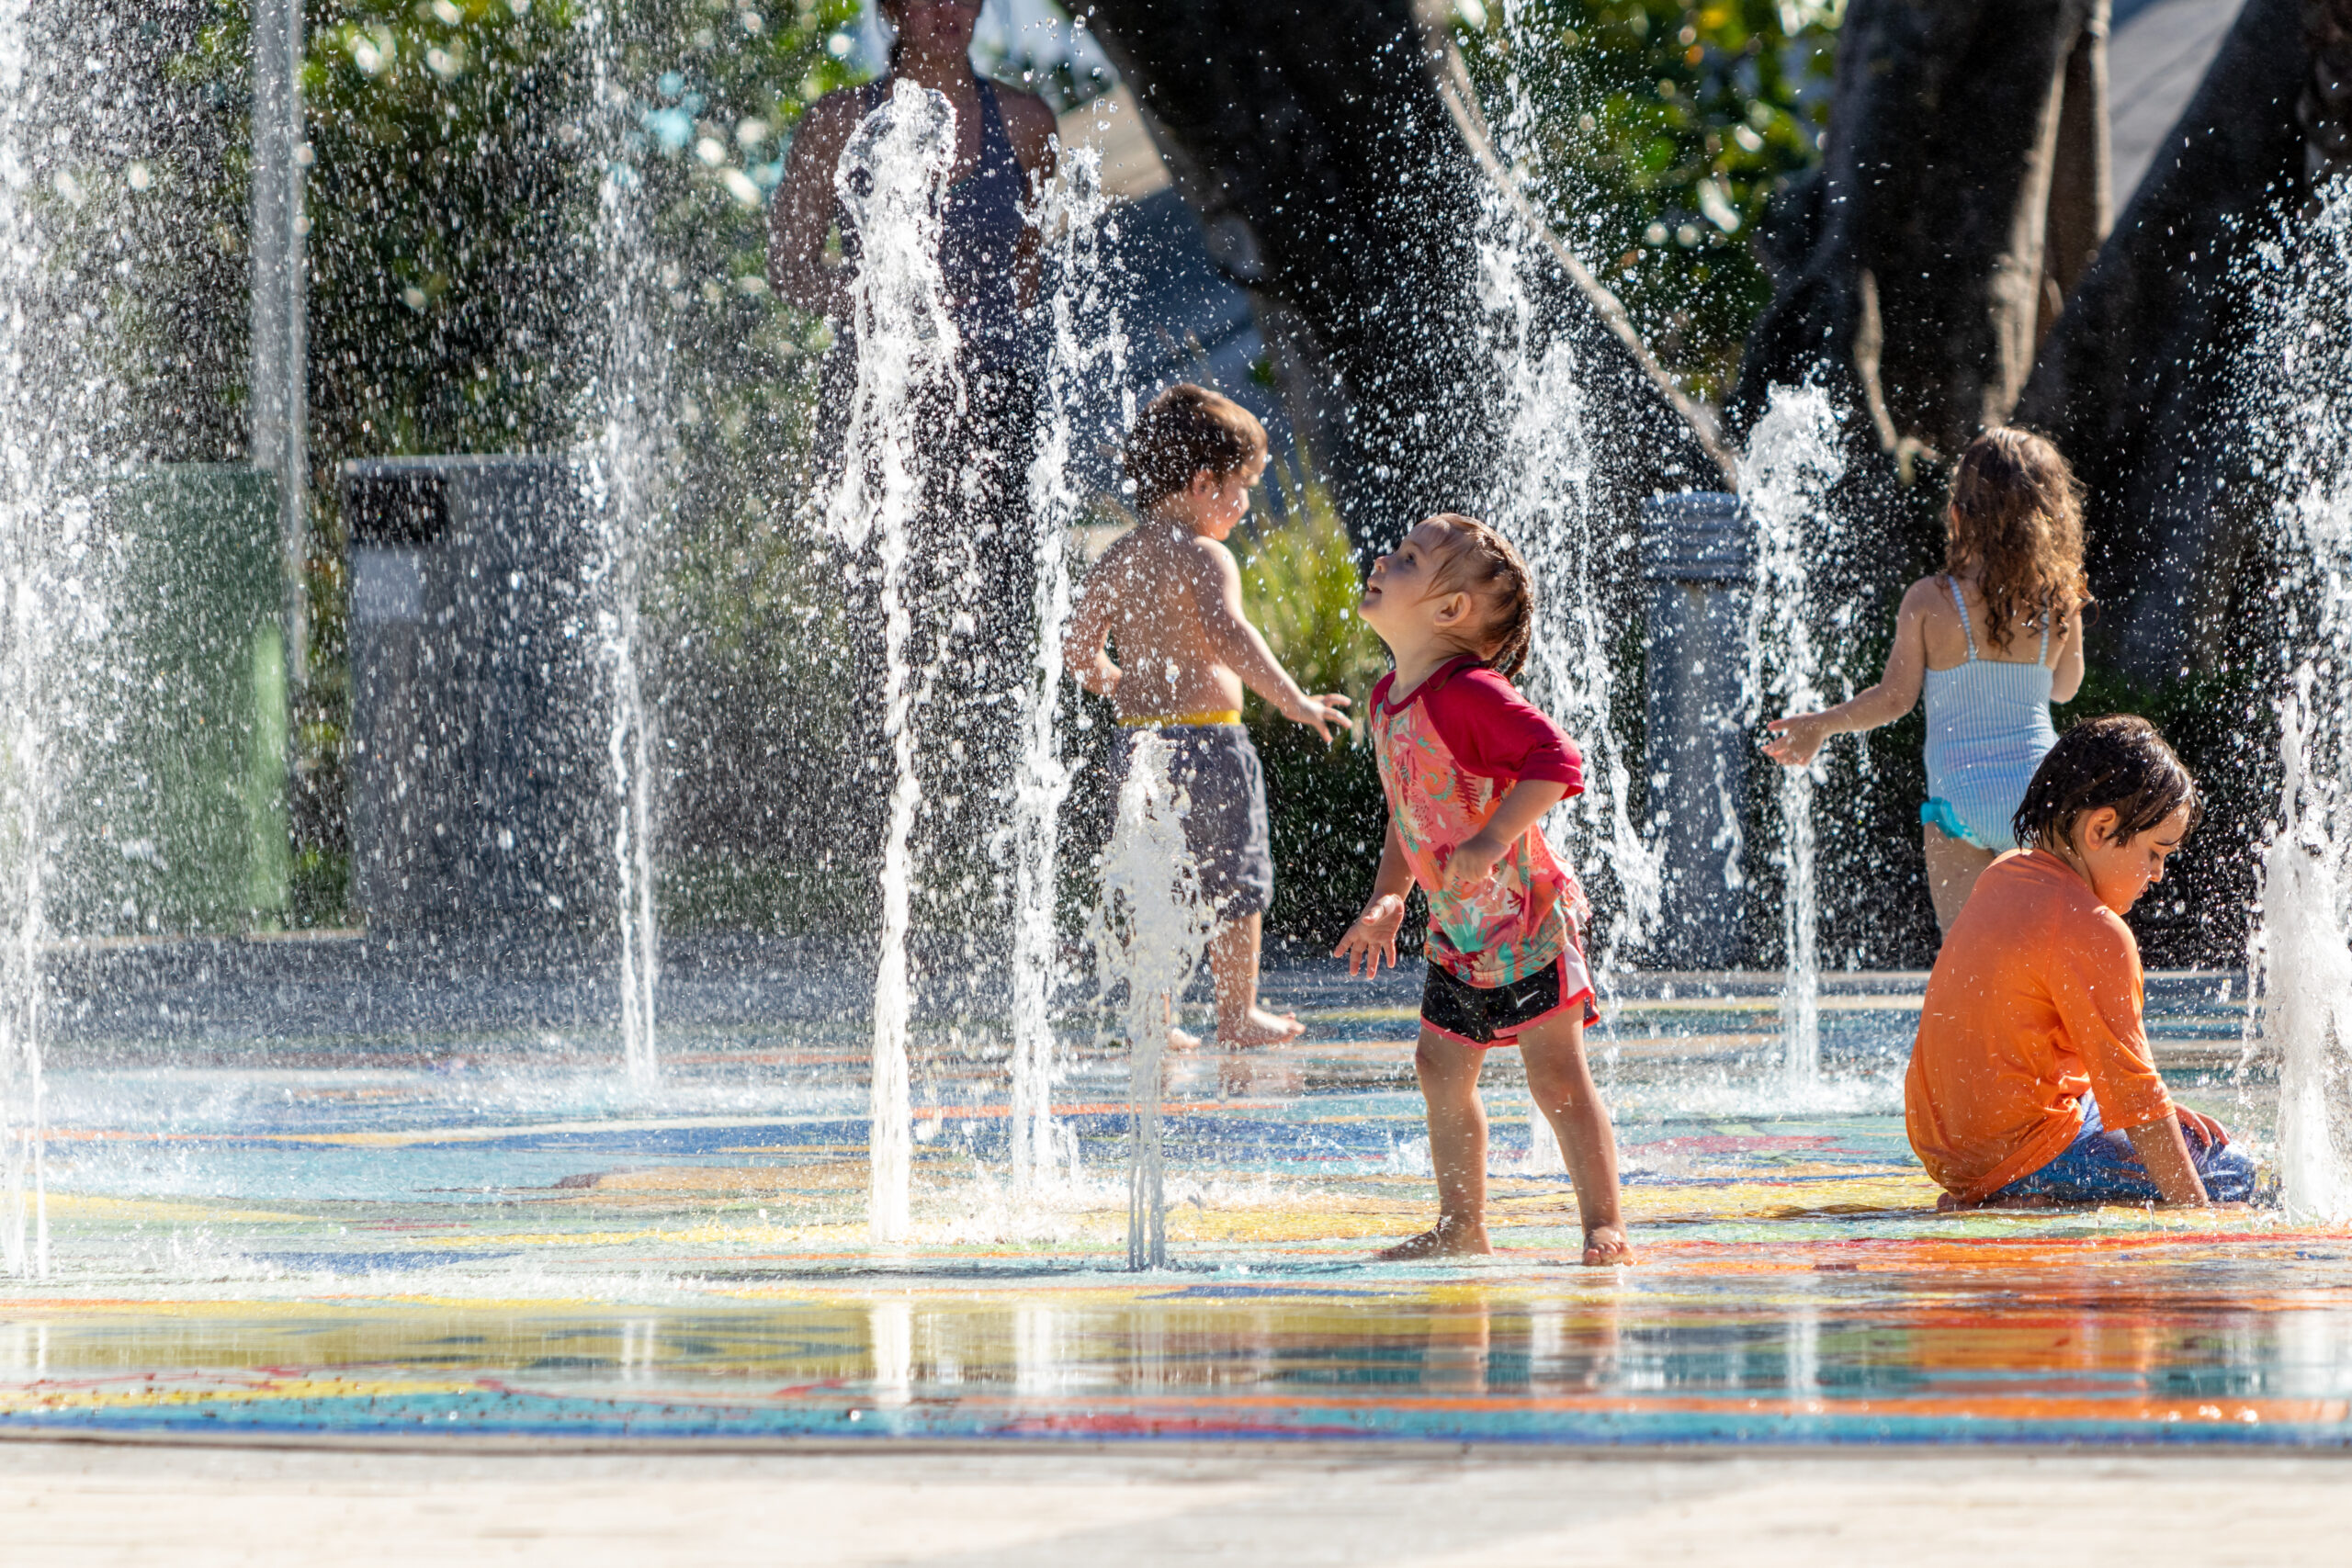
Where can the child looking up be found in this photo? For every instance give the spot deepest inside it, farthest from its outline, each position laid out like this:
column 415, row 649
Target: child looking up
column 1469, row 767
column 1168, row 596
column 1993, row 641
column 2030, row 1081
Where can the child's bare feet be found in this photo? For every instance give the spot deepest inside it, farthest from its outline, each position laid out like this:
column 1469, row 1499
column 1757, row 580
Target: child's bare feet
column 1182, row 1039
column 1605, row 1246
column 1443, row 1239
column 1258, row 1027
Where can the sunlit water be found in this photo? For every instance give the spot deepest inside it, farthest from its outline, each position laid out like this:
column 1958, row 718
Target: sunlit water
column 1149, row 931
column 1088, row 343
column 628, row 454
column 892, row 178
column 2302, row 371
column 1792, row 461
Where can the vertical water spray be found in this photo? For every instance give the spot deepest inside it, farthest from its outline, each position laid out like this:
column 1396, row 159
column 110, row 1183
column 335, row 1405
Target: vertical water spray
column 1543, row 497
column 630, row 441
column 1149, row 929
column 1088, row 343
column 46, row 552
column 2301, row 368
column 891, row 179
column 1792, row 461
column 2307, row 982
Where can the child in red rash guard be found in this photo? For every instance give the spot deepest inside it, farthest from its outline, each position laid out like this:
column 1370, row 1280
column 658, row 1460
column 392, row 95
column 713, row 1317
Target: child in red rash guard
column 1469, row 767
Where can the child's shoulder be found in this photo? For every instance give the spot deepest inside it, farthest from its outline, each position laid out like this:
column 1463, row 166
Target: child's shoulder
column 1927, row 592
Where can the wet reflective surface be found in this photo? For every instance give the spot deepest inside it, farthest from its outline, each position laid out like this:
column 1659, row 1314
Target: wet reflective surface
column 487, row 1234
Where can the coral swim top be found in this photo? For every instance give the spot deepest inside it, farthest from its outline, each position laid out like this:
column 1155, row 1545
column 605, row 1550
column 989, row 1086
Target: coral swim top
column 1448, row 751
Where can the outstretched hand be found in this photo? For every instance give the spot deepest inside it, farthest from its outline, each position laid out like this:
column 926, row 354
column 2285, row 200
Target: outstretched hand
column 1373, row 936
column 1323, row 712
column 1801, row 734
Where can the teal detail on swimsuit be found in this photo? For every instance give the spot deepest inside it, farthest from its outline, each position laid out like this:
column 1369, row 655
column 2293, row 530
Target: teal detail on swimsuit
column 1988, row 728
column 1939, row 815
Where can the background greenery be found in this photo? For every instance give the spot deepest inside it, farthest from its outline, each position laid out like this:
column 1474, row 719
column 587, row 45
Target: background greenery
column 1656, row 136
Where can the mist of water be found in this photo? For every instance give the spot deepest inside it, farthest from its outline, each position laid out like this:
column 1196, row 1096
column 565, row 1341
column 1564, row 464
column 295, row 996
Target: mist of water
column 1149, row 931
column 891, row 179
column 2303, row 373
column 54, row 607
column 1088, row 342
column 1792, row 461
column 631, row 443
column 2307, row 984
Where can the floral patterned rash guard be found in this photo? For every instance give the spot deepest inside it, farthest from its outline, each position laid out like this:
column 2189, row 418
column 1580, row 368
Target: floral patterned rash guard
column 1448, row 751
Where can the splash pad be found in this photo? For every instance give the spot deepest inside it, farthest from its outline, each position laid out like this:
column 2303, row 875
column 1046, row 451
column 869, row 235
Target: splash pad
column 255, row 1233
column 343, row 1186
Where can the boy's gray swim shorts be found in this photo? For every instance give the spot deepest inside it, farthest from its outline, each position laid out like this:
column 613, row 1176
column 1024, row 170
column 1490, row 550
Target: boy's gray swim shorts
column 1216, row 769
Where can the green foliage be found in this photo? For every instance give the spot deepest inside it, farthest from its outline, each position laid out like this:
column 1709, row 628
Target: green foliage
column 1300, row 581
column 1655, row 133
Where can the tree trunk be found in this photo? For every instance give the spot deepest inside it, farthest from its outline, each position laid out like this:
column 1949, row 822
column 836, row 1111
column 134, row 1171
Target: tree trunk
column 2137, row 384
column 1963, row 188
column 1332, row 174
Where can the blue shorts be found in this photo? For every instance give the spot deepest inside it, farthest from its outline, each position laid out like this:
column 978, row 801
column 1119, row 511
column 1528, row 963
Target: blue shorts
column 2099, row 1167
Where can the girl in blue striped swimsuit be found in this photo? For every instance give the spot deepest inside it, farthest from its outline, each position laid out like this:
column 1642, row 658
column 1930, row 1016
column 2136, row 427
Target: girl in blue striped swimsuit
column 1992, row 640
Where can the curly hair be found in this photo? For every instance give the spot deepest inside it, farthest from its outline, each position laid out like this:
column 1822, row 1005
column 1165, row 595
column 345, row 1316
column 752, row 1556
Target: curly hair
column 1482, row 563
column 1188, row 430
column 2016, row 520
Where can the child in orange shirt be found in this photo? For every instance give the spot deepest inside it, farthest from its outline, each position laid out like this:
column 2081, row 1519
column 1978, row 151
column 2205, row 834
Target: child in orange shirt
column 2031, row 1083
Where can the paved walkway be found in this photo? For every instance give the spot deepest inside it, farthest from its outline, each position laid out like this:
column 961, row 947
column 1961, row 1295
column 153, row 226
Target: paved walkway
column 1296, row 1506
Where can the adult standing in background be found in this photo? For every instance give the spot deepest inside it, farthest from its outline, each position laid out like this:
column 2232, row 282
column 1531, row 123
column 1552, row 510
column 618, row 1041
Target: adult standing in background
column 972, row 573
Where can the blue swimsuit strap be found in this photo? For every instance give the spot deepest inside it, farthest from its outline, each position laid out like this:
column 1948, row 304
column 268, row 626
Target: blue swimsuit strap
column 1960, row 604
column 1968, row 631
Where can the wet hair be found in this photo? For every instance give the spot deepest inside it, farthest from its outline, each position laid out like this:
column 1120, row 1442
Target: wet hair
column 1480, row 562
column 2015, row 519
column 2117, row 760
column 1187, row 430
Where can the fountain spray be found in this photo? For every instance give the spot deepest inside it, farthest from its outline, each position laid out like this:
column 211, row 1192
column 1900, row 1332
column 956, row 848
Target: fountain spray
column 627, row 456
column 1149, row 931
column 2307, row 983
column 2303, row 373
column 1792, row 461
column 891, row 180
column 1089, row 344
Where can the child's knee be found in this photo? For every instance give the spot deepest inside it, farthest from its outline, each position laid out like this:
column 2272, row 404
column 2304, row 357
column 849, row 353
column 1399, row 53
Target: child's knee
column 1437, row 1061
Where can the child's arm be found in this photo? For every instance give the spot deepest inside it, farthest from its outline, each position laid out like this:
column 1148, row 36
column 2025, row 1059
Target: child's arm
column 1241, row 648
column 1522, row 807
column 1090, row 628
column 2163, row 1150
column 2066, row 676
column 1373, row 935
column 1896, row 693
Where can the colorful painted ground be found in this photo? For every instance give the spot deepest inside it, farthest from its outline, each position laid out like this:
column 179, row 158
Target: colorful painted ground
column 483, row 1234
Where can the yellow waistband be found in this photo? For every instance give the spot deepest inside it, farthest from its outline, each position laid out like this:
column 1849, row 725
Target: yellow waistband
column 1182, row 720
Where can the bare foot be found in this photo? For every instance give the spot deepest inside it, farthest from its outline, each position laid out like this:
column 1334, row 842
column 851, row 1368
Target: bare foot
column 1605, row 1246
column 1258, row 1027
column 1440, row 1240
column 1182, row 1040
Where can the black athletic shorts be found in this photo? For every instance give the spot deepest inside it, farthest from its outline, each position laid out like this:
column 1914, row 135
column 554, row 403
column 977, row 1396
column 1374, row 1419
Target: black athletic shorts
column 1493, row 1015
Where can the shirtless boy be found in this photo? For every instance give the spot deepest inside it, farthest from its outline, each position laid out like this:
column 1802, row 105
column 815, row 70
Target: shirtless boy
column 1166, row 596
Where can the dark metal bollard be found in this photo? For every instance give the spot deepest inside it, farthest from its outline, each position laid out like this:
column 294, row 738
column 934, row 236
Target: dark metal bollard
column 481, row 792
column 1700, row 556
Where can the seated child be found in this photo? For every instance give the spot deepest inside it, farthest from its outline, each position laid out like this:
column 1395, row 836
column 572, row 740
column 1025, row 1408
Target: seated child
column 2032, row 1082
column 1469, row 767
column 1168, row 596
